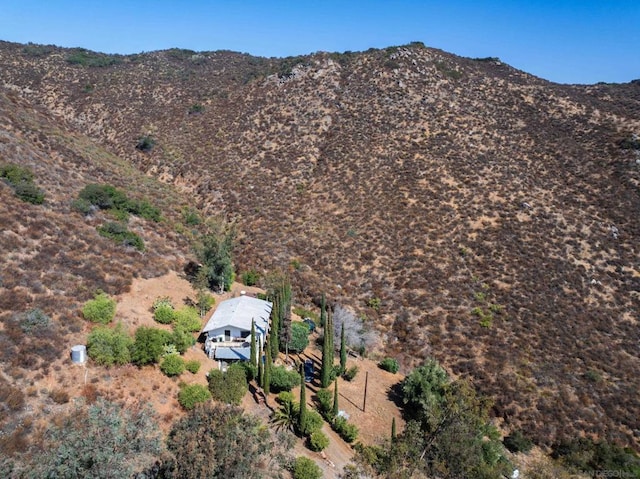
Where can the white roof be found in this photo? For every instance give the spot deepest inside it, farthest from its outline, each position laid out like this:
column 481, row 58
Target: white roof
column 239, row 312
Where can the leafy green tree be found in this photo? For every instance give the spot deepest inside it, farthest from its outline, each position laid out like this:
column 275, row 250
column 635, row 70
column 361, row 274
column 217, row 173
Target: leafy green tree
column 101, row 309
column 108, row 346
column 149, row 345
column 104, row 440
column 228, row 387
column 214, row 252
column 217, row 441
column 305, row 468
column 192, row 394
column 423, row 391
column 172, row 365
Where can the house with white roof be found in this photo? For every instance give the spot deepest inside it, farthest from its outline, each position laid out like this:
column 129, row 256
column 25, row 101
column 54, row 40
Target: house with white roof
column 228, row 331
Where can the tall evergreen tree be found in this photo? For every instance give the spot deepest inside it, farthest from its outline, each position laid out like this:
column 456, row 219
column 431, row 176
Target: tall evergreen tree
column 323, row 312
column 343, row 351
column 254, row 353
column 261, row 368
column 335, row 399
column 327, row 354
column 303, row 400
column 393, row 430
column 285, row 315
column 275, row 331
column 267, row 372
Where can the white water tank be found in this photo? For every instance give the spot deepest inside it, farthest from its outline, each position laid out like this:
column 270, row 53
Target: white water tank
column 79, row 354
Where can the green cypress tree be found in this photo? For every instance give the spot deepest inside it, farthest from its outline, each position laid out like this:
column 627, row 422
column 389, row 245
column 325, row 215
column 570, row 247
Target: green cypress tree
column 343, row 351
column 275, row 329
column 393, row 430
column 327, row 355
column 267, row 372
column 303, row 400
column 335, row 399
column 323, row 312
column 254, row 354
column 260, row 368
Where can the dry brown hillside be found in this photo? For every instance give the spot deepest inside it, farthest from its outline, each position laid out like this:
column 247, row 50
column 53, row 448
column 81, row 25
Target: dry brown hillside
column 494, row 215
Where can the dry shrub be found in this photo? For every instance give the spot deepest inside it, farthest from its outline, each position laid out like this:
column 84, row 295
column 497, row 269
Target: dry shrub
column 12, row 397
column 90, row 393
column 59, row 396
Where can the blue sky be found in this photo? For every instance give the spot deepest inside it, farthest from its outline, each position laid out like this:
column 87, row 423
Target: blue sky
column 577, row 41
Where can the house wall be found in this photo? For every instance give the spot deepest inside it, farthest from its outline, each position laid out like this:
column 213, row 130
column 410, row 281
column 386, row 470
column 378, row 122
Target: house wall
column 218, row 334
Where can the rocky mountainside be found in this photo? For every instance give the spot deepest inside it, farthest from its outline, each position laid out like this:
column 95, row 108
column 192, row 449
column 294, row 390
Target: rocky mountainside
column 468, row 210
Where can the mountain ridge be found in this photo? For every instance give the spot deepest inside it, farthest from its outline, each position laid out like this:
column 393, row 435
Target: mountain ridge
column 492, row 214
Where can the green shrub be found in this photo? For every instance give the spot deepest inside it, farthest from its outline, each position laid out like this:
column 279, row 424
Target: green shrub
column 149, row 345
column 389, row 364
column 346, row 430
column 312, row 422
column 283, row 380
column 119, row 233
column 109, row 346
column 29, row 193
column 299, row 337
column 190, row 395
column 228, row 387
column 250, row 369
column 306, row 313
column 192, row 366
column 189, row 318
column 305, row 468
column 250, row 277
column 172, row 365
column 196, row 108
column 350, row 374
column 21, row 180
column 144, row 209
column 105, row 197
column 285, row 397
column 324, row 398
column 145, row 143
column 318, row 441
column 517, row 442
column 86, row 58
column 191, row 217
column 101, row 309
column 181, row 338
column 81, row 206
column 164, row 314
column 15, row 174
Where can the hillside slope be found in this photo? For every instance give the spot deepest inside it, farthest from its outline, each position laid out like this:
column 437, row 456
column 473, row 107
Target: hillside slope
column 493, row 215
